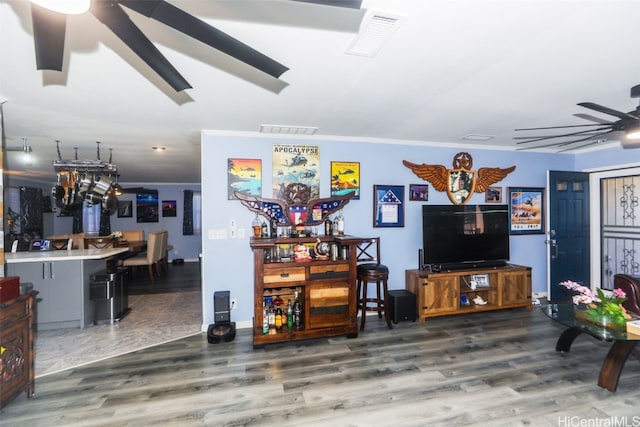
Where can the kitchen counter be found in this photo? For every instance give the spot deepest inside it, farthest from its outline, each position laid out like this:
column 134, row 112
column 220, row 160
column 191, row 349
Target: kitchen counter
column 62, row 255
column 62, row 279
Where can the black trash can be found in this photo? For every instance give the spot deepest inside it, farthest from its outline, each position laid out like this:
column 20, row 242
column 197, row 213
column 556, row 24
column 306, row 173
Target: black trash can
column 110, row 295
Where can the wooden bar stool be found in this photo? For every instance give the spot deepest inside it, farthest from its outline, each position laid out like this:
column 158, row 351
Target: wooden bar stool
column 371, row 271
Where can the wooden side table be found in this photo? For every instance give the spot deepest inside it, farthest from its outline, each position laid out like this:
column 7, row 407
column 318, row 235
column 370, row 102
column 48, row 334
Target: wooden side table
column 17, row 372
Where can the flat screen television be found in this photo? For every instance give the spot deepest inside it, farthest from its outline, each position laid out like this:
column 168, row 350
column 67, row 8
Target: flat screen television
column 465, row 236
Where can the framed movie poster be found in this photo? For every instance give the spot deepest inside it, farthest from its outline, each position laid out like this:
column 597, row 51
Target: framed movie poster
column 345, row 178
column 169, row 208
column 419, row 192
column 294, row 163
column 526, row 210
column 388, row 205
column 147, row 206
column 125, row 209
column 493, row 195
column 244, row 176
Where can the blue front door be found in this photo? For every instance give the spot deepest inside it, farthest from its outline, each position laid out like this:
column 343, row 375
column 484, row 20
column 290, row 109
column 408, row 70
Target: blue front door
column 569, row 226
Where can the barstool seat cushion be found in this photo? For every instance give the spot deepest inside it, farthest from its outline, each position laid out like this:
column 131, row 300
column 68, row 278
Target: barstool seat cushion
column 372, row 267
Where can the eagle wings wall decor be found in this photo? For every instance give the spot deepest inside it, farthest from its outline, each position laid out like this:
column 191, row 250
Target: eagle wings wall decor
column 460, row 182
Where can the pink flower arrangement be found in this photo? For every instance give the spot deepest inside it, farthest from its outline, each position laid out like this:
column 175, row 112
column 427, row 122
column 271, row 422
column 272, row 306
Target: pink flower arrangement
column 598, row 303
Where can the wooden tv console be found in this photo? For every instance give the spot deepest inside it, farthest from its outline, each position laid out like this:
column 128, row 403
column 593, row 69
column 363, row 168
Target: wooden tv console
column 440, row 294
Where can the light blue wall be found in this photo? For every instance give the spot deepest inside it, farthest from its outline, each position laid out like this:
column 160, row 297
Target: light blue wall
column 228, row 263
column 605, row 159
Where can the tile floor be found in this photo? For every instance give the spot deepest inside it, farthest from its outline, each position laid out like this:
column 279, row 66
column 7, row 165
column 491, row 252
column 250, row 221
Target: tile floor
column 154, row 319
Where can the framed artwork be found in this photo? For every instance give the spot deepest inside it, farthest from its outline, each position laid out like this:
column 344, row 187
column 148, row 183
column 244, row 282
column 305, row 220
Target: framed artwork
column 388, row 205
column 345, row 178
column 295, row 163
column 147, row 206
column 493, row 195
column 169, row 208
column 244, row 176
column 419, row 192
column 526, row 210
column 125, row 209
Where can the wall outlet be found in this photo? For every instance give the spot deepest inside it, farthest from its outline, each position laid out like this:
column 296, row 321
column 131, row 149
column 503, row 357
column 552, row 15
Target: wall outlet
column 234, row 303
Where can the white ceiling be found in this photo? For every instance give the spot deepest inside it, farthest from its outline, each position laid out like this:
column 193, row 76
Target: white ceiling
column 452, row 68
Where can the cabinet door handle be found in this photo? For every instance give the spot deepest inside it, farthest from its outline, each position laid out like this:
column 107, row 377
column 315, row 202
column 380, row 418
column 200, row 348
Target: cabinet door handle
column 51, row 270
column 43, row 271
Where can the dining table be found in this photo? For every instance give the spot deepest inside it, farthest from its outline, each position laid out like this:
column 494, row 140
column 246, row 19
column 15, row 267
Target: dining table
column 135, row 246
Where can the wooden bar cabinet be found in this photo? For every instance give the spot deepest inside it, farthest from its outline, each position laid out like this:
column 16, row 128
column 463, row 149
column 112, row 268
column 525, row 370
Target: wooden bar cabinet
column 326, row 288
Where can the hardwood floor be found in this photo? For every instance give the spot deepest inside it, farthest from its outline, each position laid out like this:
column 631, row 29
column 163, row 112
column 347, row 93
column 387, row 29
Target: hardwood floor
column 497, row 368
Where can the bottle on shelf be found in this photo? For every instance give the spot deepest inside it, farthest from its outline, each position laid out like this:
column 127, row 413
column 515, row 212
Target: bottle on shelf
column 278, row 318
column 256, row 226
column 264, row 230
column 272, row 320
column 340, row 223
column 328, row 226
column 297, row 311
column 265, row 319
column 289, row 315
column 273, row 228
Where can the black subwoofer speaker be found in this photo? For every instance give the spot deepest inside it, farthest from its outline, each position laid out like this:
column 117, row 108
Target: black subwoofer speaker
column 402, row 305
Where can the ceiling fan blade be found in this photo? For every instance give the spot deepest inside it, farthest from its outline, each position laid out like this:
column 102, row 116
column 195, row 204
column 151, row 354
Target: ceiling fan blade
column 607, row 110
column 531, row 137
column 580, row 146
column 589, row 133
column 118, row 21
column 560, row 127
column 133, row 190
column 187, row 24
column 593, row 119
column 564, row 143
column 48, row 36
column 351, row 4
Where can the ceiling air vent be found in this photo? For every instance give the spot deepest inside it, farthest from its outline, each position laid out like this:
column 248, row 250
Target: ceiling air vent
column 377, row 27
column 289, row 130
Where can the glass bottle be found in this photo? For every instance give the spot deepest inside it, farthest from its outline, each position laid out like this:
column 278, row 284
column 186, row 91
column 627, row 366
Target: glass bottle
column 274, row 228
column 278, row 318
column 256, row 225
column 264, row 230
column 297, row 311
column 272, row 318
column 265, row 319
column 340, row 219
column 328, row 226
column 289, row 315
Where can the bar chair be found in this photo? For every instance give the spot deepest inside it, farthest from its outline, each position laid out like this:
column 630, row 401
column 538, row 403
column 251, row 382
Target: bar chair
column 370, row 270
